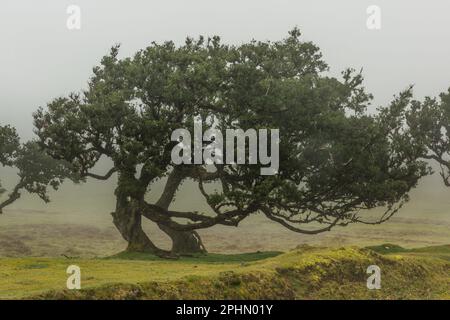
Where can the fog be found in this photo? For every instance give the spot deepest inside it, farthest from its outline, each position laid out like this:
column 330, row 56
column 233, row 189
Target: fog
column 40, row 58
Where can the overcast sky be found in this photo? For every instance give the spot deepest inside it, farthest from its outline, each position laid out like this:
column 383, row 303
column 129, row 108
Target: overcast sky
column 40, row 58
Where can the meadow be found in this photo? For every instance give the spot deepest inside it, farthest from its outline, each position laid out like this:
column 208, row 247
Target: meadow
column 303, row 273
column 259, row 259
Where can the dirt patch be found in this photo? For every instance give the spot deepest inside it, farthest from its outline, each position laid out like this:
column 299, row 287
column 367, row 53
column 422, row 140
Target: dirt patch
column 10, row 247
column 57, row 240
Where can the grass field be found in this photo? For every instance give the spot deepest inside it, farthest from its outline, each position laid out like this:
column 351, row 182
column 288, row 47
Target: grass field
column 37, row 245
column 48, row 234
column 304, row 273
column 77, row 223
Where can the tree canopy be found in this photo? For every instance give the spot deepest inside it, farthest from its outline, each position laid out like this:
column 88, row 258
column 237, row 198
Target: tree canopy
column 336, row 160
column 36, row 170
column 428, row 127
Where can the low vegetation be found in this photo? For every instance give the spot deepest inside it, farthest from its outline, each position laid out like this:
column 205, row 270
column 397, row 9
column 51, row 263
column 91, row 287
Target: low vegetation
column 304, row 273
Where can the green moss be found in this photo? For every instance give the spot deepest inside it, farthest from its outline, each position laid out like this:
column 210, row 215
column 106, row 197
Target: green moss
column 387, row 248
column 205, row 258
column 304, row 273
column 34, row 266
column 442, row 252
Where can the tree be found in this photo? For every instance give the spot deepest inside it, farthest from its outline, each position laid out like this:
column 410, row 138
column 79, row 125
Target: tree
column 35, row 169
column 336, row 160
column 428, row 124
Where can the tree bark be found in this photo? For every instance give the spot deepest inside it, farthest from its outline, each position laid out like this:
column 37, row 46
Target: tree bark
column 128, row 221
column 13, row 196
column 183, row 242
column 128, row 217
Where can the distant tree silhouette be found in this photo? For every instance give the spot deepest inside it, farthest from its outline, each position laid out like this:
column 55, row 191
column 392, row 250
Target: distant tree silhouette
column 428, row 128
column 36, row 170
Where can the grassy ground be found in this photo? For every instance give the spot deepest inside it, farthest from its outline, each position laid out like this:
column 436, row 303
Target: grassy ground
column 303, row 273
column 35, row 237
column 77, row 222
column 34, row 243
column 47, row 234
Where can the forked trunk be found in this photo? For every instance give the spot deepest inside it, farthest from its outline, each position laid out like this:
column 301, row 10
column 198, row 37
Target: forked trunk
column 184, row 242
column 127, row 220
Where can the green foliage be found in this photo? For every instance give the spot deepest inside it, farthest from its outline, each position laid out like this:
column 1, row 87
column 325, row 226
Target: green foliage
column 336, row 160
column 35, row 169
column 9, row 143
column 304, row 273
column 428, row 124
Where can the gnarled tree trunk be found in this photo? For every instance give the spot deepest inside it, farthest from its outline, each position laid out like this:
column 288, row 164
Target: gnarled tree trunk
column 128, row 221
column 128, row 218
column 183, row 242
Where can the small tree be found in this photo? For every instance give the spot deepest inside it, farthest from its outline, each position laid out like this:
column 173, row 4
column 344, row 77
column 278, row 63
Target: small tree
column 336, row 161
column 428, row 127
column 36, row 170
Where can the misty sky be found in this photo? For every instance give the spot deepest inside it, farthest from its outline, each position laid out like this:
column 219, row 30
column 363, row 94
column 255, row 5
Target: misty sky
column 41, row 59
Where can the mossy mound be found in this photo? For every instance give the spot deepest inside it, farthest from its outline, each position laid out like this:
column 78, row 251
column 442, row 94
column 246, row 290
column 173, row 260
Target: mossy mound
column 388, row 248
column 304, row 273
column 204, row 258
column 442, row 252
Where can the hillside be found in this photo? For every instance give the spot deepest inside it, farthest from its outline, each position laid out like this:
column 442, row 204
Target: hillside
column 304, row 273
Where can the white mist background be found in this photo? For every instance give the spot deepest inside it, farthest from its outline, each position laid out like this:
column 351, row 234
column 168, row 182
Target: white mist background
column 41, row 59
